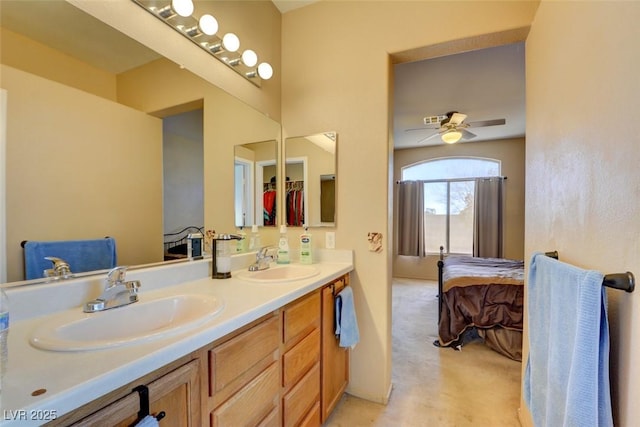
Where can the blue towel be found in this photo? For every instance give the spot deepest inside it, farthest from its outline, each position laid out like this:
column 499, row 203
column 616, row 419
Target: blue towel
column 346, row 322
column 81, row 255
column 566, row 380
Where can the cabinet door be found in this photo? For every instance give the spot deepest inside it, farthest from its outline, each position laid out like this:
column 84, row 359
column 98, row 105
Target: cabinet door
column 176, row 393
column 335, row 359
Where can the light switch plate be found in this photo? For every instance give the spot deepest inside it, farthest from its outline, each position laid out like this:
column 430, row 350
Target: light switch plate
column 330, row 240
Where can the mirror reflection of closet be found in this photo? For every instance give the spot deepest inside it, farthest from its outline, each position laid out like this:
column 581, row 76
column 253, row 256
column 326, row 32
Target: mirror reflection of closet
column 255, row 192
column 310, row 168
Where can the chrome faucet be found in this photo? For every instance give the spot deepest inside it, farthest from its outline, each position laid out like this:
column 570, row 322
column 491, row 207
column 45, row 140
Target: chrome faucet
column 264, row 256
column 116, row 293
column 60, row 269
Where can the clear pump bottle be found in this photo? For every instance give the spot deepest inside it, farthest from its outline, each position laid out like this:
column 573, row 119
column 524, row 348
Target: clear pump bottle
column 4, row 334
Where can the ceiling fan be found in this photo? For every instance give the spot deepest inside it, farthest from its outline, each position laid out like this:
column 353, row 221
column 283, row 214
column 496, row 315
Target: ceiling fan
column 451, row 128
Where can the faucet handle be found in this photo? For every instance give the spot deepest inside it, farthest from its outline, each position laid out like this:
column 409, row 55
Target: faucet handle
column 116, row 275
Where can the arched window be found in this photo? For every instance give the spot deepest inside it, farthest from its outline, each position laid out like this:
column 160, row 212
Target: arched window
column 449, row 196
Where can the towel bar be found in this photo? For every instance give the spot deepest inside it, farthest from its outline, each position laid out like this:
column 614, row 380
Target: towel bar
column 622, row 281
column 143, row 392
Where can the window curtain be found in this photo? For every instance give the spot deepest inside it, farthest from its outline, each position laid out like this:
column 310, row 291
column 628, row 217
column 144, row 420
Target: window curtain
column 488, row 218
column 411, row 218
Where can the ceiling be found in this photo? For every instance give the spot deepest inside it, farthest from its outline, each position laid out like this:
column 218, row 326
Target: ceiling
column 483, row 84
column 287, row 5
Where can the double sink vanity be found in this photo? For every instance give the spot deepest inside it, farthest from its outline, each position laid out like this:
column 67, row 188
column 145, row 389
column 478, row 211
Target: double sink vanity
column 256, row 349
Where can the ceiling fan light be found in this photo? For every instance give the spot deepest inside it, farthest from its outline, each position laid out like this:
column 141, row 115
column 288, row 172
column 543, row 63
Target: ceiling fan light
column 451, row 136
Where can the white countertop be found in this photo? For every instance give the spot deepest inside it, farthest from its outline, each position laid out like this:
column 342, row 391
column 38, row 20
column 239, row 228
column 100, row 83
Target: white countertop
column 73, row 379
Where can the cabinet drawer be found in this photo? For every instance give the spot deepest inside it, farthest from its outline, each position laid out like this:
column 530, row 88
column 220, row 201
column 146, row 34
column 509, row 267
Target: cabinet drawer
column 253, row 404
column 298, row 402
column 271, row 420
column 250, row 351
column 300, row 318
column 313, row 417
column 300, row 358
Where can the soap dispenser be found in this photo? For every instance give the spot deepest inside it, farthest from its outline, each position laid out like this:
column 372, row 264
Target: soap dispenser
column 283, row 246
column 254, row 241
column 306, row 256
column 241, row 246
column 221, row 255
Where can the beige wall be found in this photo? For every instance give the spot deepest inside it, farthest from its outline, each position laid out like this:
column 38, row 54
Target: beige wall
column 511, row 155
column 70, row 169
column 582, row 178
column 337, row 76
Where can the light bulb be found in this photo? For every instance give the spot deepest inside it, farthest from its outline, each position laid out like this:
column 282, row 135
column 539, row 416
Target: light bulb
column 231, row 42
column 265, row 71
column 182, row 7
column 249, row 58
column 208, row 25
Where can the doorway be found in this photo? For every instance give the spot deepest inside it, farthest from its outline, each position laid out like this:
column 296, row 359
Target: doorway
column 183, row 172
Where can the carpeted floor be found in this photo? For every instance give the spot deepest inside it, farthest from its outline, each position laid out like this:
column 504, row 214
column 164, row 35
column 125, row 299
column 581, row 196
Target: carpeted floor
column 436, row 386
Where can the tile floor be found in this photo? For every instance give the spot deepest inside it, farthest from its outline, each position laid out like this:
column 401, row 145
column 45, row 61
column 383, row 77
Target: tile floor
column 435, row 386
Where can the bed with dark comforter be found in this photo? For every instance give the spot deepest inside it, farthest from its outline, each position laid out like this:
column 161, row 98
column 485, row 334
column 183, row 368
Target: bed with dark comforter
column 482, row 297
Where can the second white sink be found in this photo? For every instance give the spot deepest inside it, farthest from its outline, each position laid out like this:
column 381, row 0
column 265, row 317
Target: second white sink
column 139, row 322
column 279, row 274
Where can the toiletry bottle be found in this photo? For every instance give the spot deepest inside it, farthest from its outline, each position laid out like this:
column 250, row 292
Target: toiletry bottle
column 306, row 256
column 283, row 246
column 241, row 245
column 254, row 241
column 4, row 334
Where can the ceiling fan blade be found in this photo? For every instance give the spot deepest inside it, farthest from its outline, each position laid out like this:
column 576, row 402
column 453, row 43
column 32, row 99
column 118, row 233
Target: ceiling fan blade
column 423, row 128
column 427, row 138
column 484, row 123
column 457, row 118
column 466, row 134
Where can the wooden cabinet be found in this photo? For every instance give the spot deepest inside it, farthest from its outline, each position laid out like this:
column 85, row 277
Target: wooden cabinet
column 335, row 359
column 285, row 369
column 301, row 361
column 176, row 393
column 244, row 377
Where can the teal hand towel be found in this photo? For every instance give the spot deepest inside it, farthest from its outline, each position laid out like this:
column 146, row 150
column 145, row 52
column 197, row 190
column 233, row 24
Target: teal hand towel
column 346, row 321
column 566, row 381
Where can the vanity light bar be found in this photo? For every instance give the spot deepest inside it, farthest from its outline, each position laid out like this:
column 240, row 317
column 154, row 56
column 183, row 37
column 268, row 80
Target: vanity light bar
column 203, row 32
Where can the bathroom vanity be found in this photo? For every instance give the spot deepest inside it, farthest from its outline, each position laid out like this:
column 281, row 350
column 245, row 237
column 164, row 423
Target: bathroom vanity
column 268, row 357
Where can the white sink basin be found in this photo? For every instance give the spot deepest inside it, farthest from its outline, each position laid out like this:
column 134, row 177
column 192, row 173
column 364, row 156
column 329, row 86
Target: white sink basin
column 134, row 323
column 279, row 274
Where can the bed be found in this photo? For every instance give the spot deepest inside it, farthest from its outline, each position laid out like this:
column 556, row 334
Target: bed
column 481, row 298
column 175, row 243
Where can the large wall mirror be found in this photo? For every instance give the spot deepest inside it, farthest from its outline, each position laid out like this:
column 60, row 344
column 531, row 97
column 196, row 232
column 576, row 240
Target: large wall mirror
column 310, row 187
column 255, row 190
column 134, row 149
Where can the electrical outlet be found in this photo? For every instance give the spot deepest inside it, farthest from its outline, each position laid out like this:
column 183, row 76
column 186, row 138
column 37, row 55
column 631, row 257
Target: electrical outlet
column 330, row 240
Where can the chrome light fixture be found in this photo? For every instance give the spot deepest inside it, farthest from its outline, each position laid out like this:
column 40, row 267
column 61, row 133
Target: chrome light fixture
column 452, row 136
column 203, row 31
